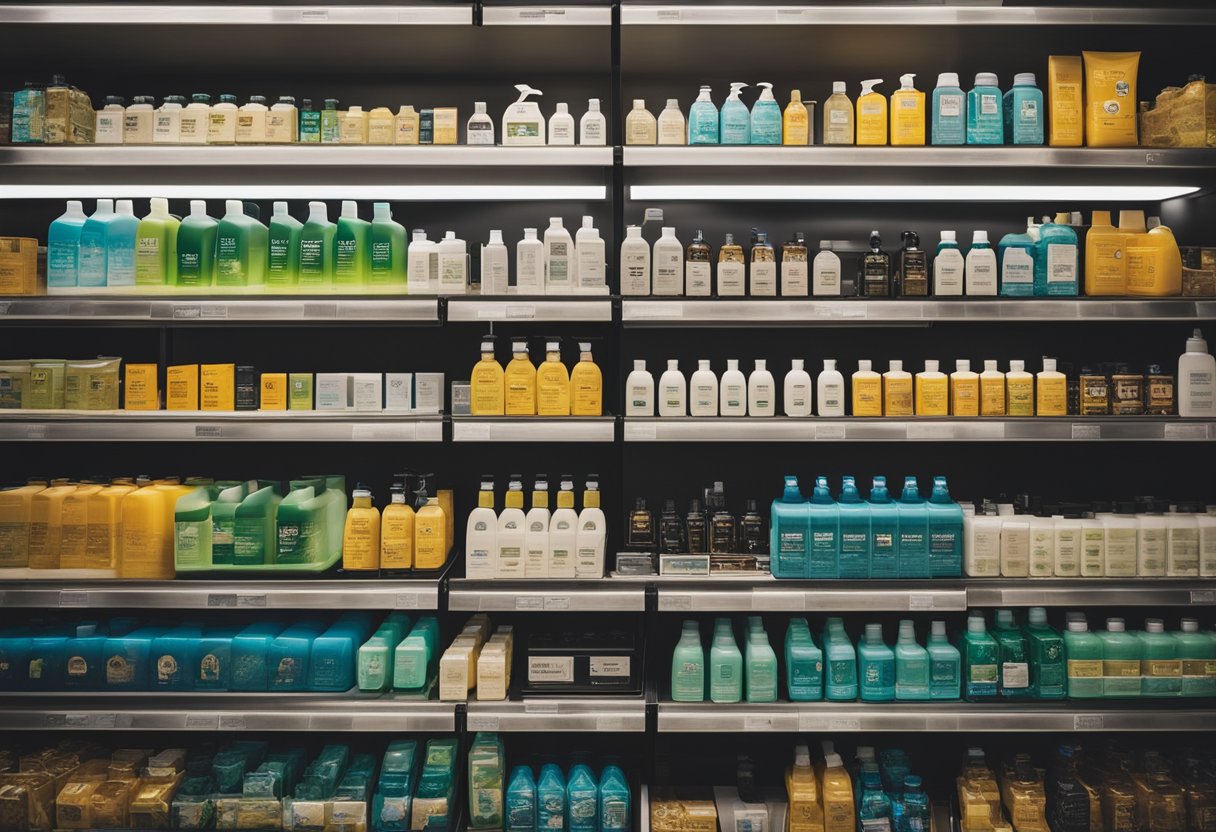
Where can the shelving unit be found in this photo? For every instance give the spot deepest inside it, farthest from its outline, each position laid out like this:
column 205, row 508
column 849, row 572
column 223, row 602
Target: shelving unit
column 524, row 309
column 243, row 14
column 556, row 595
column 206, row 426
column 700, row 14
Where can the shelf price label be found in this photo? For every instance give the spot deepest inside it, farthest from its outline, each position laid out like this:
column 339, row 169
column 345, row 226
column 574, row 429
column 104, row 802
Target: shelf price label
column 1086, row 432
column 203, row 722
column 482, row 722
column 1088, row 722
column 406, row 601
column 73, row 598
column 674, row 603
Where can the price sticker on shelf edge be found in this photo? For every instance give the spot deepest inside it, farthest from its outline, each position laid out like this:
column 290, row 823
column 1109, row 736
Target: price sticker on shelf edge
column 758, row 723
column 203, row 722
column 1203, row 596
column 1184, row 431
column 922, row 601
column 77, row 720
column 811, row 722
column 557, row 602
column 641, row 431
column 1088, row 722
column 1086, row 432
column 829, row 431
column 844, row 723
column 669, row 603
column 232, row 722
column 529, row 602
column 482, row 722
column 73, row 598
column 406, row 601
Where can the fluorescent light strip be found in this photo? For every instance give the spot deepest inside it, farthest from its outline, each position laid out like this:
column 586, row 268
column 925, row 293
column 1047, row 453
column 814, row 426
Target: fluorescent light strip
column 912, row 193
column 402, row 193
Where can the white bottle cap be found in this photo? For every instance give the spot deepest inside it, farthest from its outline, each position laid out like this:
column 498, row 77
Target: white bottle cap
column 160, row 205
column 895, row 365
column 355, row 108
column 584, row 346
column 639, row 364
column 829, row 364
column 639, row 103
column 555, row 222
column 479, row 106
column 702, row 363
column 75, row 206
column 979, row 236
column 383, row 211
column 318, row 209
column 350, row 209
column 937, row 628
column 990, row 365
column 361, row 492
column 233, row 206
column 838, row 87
column 126, row 206
column 419, row 235
column 796, row 364
column 1078, row 625
column 529, row 233
column 449, row 235
column 986, row 79
column 947, row 79
column 864, row 365
column 1116, row 625
column 1154, row 625
column 905, row 81
column 825, row 245
column 949, row 237
column 962, row 365
column 280, row 208
column 552, row 346
column 669, row 231
column 732, row 364
column 673, row 363
column 633, row 231
column 1190, row 625
column 1049, row 365
column 761, row 363
column 562, row 108
column 593, row 105
column 673, row 103
column 495, row 236
column 198, row 207
column 1196, row 343
column 931, row 365
column 588, row 222
column 1024, row 79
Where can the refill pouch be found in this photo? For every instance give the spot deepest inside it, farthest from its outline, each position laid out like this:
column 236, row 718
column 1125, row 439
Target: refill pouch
column 1110, row 98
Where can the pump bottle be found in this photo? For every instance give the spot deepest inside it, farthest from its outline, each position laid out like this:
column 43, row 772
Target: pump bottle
column 522, row 122
column 735, row 121
column 907, row 113
column 871, row 114
column 766, row 126
column 703, row 119
column 796, row 125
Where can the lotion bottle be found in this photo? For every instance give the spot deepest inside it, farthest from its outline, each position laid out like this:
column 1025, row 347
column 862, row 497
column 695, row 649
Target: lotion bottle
column 825, row 278
column 671, row 126
column 734, row 119
column 511, row 530
column 703, row 119
column 830, row 392
column 871, row 114
column 766, row 127
column 529, row 264
column 964, row 390
column 593, row 127
column 560, row 262
column 589, row 258
column 673, row 391
column 948, row 267
column 797, row 393
column 981, row 266
column 907, row 114
column 536, row 531
column 897, row 390
column 522, row 122
column 635, row 263
column 1197, row 379
column 552, row 383
column 1052, row 399
column 668, row 263
column 704, row 390
column 639, row 391
column 733, row 388
column 932, row 391
column 867, row 390
column 592, row 537
column 640, row 126
column 761, row 395
column 561, row 126
column 481, row 533
column 838, row 116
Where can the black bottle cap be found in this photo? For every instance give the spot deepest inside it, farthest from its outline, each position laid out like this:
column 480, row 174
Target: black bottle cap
column 751, row 506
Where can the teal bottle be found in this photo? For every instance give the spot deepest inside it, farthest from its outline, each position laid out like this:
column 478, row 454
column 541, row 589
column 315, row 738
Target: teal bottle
column 1015, row 259
column 1056, row 262
column 873, row 803
column 825, row 533
column 703, row 119
column 803, row 663
column 949, row 123
column 288, row 656
column 83, row 651
column 876, row 666
column 912, row 665
column 855, row 539
column 914, row 813
column 120, row 245
column 913, row 532
column 251, row 656
column 725, row 665
column 1083, row 651
column 1161, row 666
column 789, row 533
column 1048, row 670
column 945, row 676
column 551, row 799
column 521, row 801
column 766, row 117
column 761, row 668
column 945, row 533
column 688, row 666
column 840, row 663
column 985, row 116
column 94, row 248
column 173, row 657
column 884, row 531
column 582, row 800
column 1198, row 654
column 1015, row 661
column 1024, row 111
column 981, row 661
column 388, row 248
column 213, row 668
column 352, row 248
column 128, row 660
column 283, row 263
column 1121, row 653
column 616, row 813
column 734, row 119
column 63, row 247
column 331, row 666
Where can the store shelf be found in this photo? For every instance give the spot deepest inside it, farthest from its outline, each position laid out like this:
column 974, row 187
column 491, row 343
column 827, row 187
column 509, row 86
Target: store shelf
column 220, row 311
column 1036, row 429
column 556, row 15
column 379, row 594
column 223, row 712
column 976, row 14
column 588, row 713
column 195, row 426
column 722, row 312
column 1095, row 592
column 1149, row 715
column 744, row 594
column 236, row 14
column 545, row 595
column 527, row 309
column 533, row 429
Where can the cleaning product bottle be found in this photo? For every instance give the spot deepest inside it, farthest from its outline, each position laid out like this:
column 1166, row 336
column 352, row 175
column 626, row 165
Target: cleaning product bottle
column 586, row 384
column 1052, row 398
column 789, row 533
column 509, row 537
column 945, row 532
column 590, row 269
column 795, row 126
column 897, row 399
column 766, row 127
column 560, row 263
column 981, row 268
column 981, row 660
column 1121, row 661
column 803, row 663
column 309, row 127
column 802, row 791
column 641, row 128
column 949, row 267
column 735, row 120
column 703, row 119
column 283, row 241
column 561, row 126
column 591, row 539
column 223, row 522
column 725, row 665
column 406, row 124
column 1014, row 657
column 593, row 127
column 139, row 121
column 964, row 390
column 529, row 264
column 519, row 381
column 387, row 250
column 481, row 534
column 985, row 120
column 1154, row 263
column 932, row 391
column 1048, row 677
column 732, row 271
column 1197, row 379
column 944, row 662
column 671, row 126
column 838, row 116
column 63, row 247
column 761, row 665
column 352, row 249
column 856, row 541
column 251, row 121
column 109, row 120
column 912, row 665
column 121, row 232
column 552, row 382
column 486, row 391
column 195, row 247
column 522, row 122
column 241, row 246
column 913, row 532
column 992, row 390
column 550, row 799
column 1024, row 111
column 397, row 532
column 361, row 535
column 667, row 260
column 949, row 111
column 1056, row 264
column 1016, row 255
column 1197, row 652
column 1105, row 257
column 563, row 532
column 317, row 248
column 876, row 666
column 639, row 391
column 871, row 114
column 840, row 669
column 823, row 558
column 867, row 390
column 1085, row 663
column 907, row 113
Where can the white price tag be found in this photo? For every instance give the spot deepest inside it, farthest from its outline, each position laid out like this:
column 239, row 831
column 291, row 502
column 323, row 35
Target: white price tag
column 77, row 720
column 1086, row 432
column 640, row 431
column 921, row 600
column 829, row 431
column 208, row 431
column 529, row 602
column 36, row 432
column 492, row 313
column 213, row 311
column 757, row 723
column 1203, row 596
column 203, row 722
column 839, row 723
column 320, row 310
column 105, row 720
column 474, row 433
column 1186, row 432
column 557, row 602
column 251, row 600
column 232, row 722
column 641, row 310
column 314, row 15
column 674, row 603
column 521, row 312
column 1088, row 722
column 186, row 312
column 479, row 722
column 406, row 601
column 535, row 706
column 73, row 598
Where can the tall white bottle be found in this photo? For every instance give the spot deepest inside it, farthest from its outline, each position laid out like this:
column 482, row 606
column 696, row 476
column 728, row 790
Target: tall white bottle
column 948, row 267
column 825, row 271
column 635, row 263
column 561, row 126
column 453, row 264
column 422, row 264
column 592, row 534
column 563, row 532
column 494, row 265
column 733, row 387
column 761, row 392
column 1151, row 541
column 797, row 393
column 668, row 264
column 1182, row 541
column 593, row 127
column 1197, row 379
column 530, row 264
column 830, row 390
column 589, row 254
column 536, row 537
column 639, row 391
column 704, row 394
column 481, row 535
column 512, row 530
column 980, row 266
column 560, row 264
column 673, row 391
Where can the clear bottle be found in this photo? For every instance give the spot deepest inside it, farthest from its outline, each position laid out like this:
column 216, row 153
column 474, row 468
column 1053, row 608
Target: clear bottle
column 912, row 665
column 671, row 127
column 673, row 391
column 797, row 398
column 641, row 128
column 949, row 111
column 521, row 801
column 838, row 116
column 763, row 281
column 1014, row 658
column 698, row 273
column 121, row 234
column 761, row 395
column 734, row 120
column 703, row 119
column 944, row 664
column 63, row 246
column 985, row 120
column 732, row 269
column 830, row 390
column 915, row 816
column 876, row 666
column 704, row 390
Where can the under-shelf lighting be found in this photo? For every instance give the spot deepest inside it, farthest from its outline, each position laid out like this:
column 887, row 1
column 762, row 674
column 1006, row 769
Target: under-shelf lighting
column 394, row 193
column 911, row 193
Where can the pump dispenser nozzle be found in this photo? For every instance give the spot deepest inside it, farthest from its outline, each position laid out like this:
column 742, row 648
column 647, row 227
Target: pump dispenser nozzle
column 766, row 94
column 735, row 89
column 905, row 81
column 525, row 91
column 868, row 86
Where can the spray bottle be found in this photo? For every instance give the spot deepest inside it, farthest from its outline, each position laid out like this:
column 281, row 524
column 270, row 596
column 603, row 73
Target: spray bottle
column 735, row 120
column 522, row 123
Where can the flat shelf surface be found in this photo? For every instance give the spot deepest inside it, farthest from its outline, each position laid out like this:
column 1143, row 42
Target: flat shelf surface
column 972, row 429
column 556, row 15
column 1113, row 592
column 199, row 426
column 586, row 713
column 1148, row 715
column 220, row 311
column 161, row 711
column 790, row 311
column 546, row 595
column 533, row 428
column 978, row 14
column 237, row 14
column 525, row 308
column 904, row 157
column 47, row 592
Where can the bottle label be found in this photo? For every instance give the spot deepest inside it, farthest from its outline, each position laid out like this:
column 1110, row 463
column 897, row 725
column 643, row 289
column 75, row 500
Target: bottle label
column 947, row 275
column 943, row 672
column 1061, row 263
column 981, row 276
column 793, row 278
column 982, row 674
column 667, row 274
column 764, row 279
column 875, row 276
column 697, row 279
column 635, row 273
column 1162, row 668
column 838, row 116
column 989, row 105
column 1017, row 267
column 915, row 274
column 1015, row 675
column 480, row 132
column 898, row 396
column 731, row 279
column 1085, row 668
column 950, row 106
column 827, row 275
column 1126, row 668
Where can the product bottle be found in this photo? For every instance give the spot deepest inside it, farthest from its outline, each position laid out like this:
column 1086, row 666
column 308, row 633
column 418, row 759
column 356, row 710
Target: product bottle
column 1055, row 262
column 139, row 121
column 519, row 381
column 561, row 126
column 876, row 666
column 981, row 661
column 704, row 389
column 194, row 121
column 635, row 263
column 1019, row 387
column 352, row 126
column 945, row 532
column 309, row 128
column 1105, row 257
column 167, row 123
column 1024, row 111
column 480, row 129
column 396, row 533
column 1121, row 661
column 897, row 390
column 912, row 277
column 330, row 131
column 796, row 394
column 766, row 122
column 195, row 247
column 406, row 125
column 696, row 529
column 794, row 282
column 761, row 395
column 121, row 233
column 732, row 271
column 640, row 126
column 452, row 264
column 614, row 801
column 431, row 537
column 530, row 264
column 1154, row 262
column 912, row 665
column 241, row 248
column 283, row 122
column 509, row 534
column 964, row 390
column 563, row 532
column 949, row 111
column 590, row 275
column 867, row 391
column 981, row 266
column 763, row 267
column 840, row 671
column 537, row 554
column 1183, row 541
column 63, row 247
column 1052, row 385
column 1048, row 668
column 907, row 113
column 914, row 522
column 795, row 129
column 109, row 120
column 1197, row 379
column 1122, row 533
column 985, row 121
column 586, row 384
column 803, row 663
column 932, row 391
column 520, row 801
column 639, row 391
column 992, row 390
column 486, row 390
column 1161, row 665
column 688, row 666
column 317, row 248
column 387, row 251
column 1151, row 539
column 671, row 126
column 673, row 392
column 944, row 661
column 361, row 536
column 876, row 270
column 698, row 277
column 725, row 665
column 789, row 533
column 593, row 127
column 733, row 396
column 824, row 539
column 761, row 666
column 734, row 119
column 1084, row 662
column 283, row 241
column 838, row 116
column 1015, row 664
column 552, row 383
column 871, row 114
column 948, row 267
column 830, row 390
column 856, row 541
column 155, row 246
column 1197, row 651
column 668, row 262
column 703, row 119
column 560, row 263
column 551, row 798
column 825, row 279
column 481, row 535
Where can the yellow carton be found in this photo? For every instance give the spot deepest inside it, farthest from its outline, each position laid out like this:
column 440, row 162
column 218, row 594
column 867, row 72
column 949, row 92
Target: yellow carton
column 1066, row 127
column 447, row 121
column 217, row 383
column 142, row 392
column 18, row 266
column 274, row 391
column 181, row 387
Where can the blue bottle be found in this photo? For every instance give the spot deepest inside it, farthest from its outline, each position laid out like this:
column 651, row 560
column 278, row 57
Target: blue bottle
column 1016, row 258
column 913, row 532
column 734, row 120
column 251, row 656
column 173, row 658
column 582, row 800
column 789, row 533
column 63, row 246
column 944, row 664
column 94, row 246
column 985, row 119
column 703, row 119
column 855, row 539
column 551, row 799
column 884, row 531
column 616, row 814
column 911, row 665
column 1024, row 111
column 213, row 667
column 824, row 559
column 521, row 801
column 331, row 665
column 45, row 664
column 873, row 804
column 84, row 669
column 840, row 681
column 945, row 533
column 766, row 117
column 803, row 663
column 1056, row 264
column 914, row 814
column 287, row 657
column 949, row 124
column 128, row 659
column 876, row 666
column 120, row 245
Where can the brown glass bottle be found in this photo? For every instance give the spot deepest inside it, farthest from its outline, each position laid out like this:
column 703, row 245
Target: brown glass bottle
column 695, row 526
column 913, row 280
column 639, row 529
column 698, row 270
column 671, row 530
column 754, row 535
column 875, row 276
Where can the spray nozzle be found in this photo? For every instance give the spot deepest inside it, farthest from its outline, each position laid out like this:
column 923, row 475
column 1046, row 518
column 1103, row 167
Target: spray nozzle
column 905, row 81
column 766, row 94
column 525, row 91
column 867, row 87
column 735, row 88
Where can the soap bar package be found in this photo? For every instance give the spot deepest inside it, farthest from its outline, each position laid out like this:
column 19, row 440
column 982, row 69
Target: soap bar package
column 447, row 122
column 669, row 813
column 181, row 387
column 18, row 266
column 140, row 387
column 583, row 661
column 217, row 383
column 367, row 392
column 335, row 391
column 399, row 391
column 70, row 117
column 428, row 393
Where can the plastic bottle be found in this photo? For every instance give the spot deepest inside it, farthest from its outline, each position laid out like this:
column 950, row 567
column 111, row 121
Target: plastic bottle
column 529, row 264
column 195, row 119
column 1045, row 647
column 907, row 113
column 733, row 391
column 593, row 127
column 641, row 128
column 913, row 532
column 981, row 661
column 867, row 390
column 761, row 664
column 1023, row 108
column 734, row 118
column 509, row 535
column 1056, row 265
column 487, row 396
column 251, row 121
column 912, row 666
column 480, row 127
column 1084, row 661
column 796, row 393
column 317, row 248
column 283, row 240
column 668, row 264
column 725, row 665
column 537, row 553
column 945, row 533
column 944, row 663
column 688, row 666
column 732, row 271
column 704, row 391
column 949, row 111
column 241, row 247
column 856, row 540
column 590, row 274
column 481, row 535
column 763, row 268
column 673, row 391
column 766, row 126
column 1197, row 379
column 838, row 116
column 761, row 392
column 615, row 814
column 830, row 390
column 1121, row 661
column 167, row 123
column 387, row 250
column 871, row 114
column 109, row 120
column 309, row 127
column 196, row 238
column 932, row 391
column 1184, row 545
column 703, row 119
column 283, row 123
column 551, row 798
column 671, row 126
column 552, row 383
column 1197, row 652
column 452, row 264
column 635, row 263
column 1016, row 254
column 639, row 391
column 824, row 540
column 1105, row 257
column 964, row 390
column 563, row 532
column 803, row 663
column 1052, row 398
column 789, row 533
column 985, row 120
column 63, row 247
column 840, row 669
column 361, row 536
column 795, row 125
column 561, row 126
column 981, row 270
column 397, row 523
column 521, row 808
column 1161, row 664
column 352, row 248
column 592, row 533
column 1154, row 262
column 876, row 666
column 119, row 239
column 139, row 121
column 949, row 266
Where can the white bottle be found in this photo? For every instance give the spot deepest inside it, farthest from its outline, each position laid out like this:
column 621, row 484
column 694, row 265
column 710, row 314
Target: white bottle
column 704, row 392
column 1093, row 547
column 536, row 536
column 1197, row 379
column 1122, row 531
column 1182, row 542
column 635, row 263
column 559, row 259
column 797, row 390
column 109, row 124
column 494, row 276
column 139, row 121
column 221, row 128
column 673, row 391
column 1207, row 544
column 592, row 127
column 639, row 391
column 948, row 268
column 512, row 529
column 196, row 119
column 982, row 543
column 481, row 533
column 589, row 254
column 830, row 390
column 563, row 532
column 283, row 122
column 530, row 264
column 1042, row 547
column 672, row 129
column 522, row 122
column 981, row 266
column 1068, row 545
column 1015, row 547
column 480, row 129
column 761, row 392
column 668, row 265
column 167, row 124
column 592, row 535
column 733, row 390
column 251, row 121
column 561, row 126
column 453, row 264
column 825, row 271
column 422, row 264
column 1151, row 541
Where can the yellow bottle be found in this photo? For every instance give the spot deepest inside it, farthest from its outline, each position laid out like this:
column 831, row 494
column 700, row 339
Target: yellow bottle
column 397, row 532
column 486, row 383
column 964, row 390
column 1053, row 391
column 520, row 381
column 1105, row 257
column 838, row 807
column 992, row 390
column 907, row 113
column 105, row 525
column 932, row 391
column 1019, row 390
column 46, row 525
column 586, row 385
column 147, row 531
column 552, row 383
column 802, row 791
column 867, row 390
column 430, row 536
column 447, row 503
column 795, row 126
column 15, row 524
column 897, row 390
column 361, row 534
column 871, row 114
column 1154, row 263
column 838, row 116
column 74, row 532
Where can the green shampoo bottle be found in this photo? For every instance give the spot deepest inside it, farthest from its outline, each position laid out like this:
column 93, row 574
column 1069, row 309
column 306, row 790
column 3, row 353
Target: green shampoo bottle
column 352, row 248
column 196, row 247
column 283, row 267
column 316, row 249
column 387, row 250
column 156, row 246
column 240, row 248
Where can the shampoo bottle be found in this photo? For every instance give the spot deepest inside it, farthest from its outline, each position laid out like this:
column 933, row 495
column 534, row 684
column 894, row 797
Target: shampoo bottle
column 671, row 126
column 640, row 126
column 1197, row 379
column 763, row 267
column 1055, row 261
column 529, row 264
column 704, row 391
column 593, row 127
column 1105, row 257
column 121, row 232
column 725, row 665
column 486, row 390
column 361, row 535
column 591, row 539
column 981, row 266
column 964, row 390
column 251, row 121
column 1024, row 111
column 912, row 665
column 1016, row 254
column 317, row 248
column 876, row 270
column 838, row 117
column 897, row 391
column 949, row 267
column 156, row 246
column 761, row 397
column 949, row 111
column 703, row 119
column 586, row 384
column 932, row 391
column 560, row 262
column 561, row 126
column 912, row 277
column 635, row 263
column 907, row 113
column 494, row 275
column 830, row 390
column 481, row 533
column 563, row 532
column 536, row 539
column 452, row 262
column 222, row 127
column 241, row 246
column 766, row 126
column 673, row 391
column 283, row 239
column 196, row 119
column 796, row 125
column 388, row 251
column 867, row 390
column 552, row 383
column 1052, row 399
column 1019, row 386
column 825, row 271
column 871, row 114
column 985, row 120
column 735, row 121
column 589, row 258
column 519, row 381
column 733, row 388
column 796, row 396
column 639, row 391
column 522, row 122
column 63, row 247
column 509, row 535
column 668, row 263
column 688, row 666
column 195, row 247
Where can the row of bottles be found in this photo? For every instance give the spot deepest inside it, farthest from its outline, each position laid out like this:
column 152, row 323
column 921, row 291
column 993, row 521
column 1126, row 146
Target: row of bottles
column 413, row 532
column 525, row 389
column 399, row 656
column 578, row 801
column 708, row 527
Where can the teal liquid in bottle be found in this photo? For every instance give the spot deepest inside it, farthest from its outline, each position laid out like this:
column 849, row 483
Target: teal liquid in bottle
column 840, row 683
column 688, row 666
column 825, row 532
column 1083, row 651
column 912, row 665
column 1161, row 667
column 1198, row 653
column 761, row 668
column 803, row 663
column 521, row 801
column 1048, row 671
column 855, row 540
column 876, row 662
column 789, row 533
column 945, row 677
column 981, row 661
column 913, row 532
column 945, row 533
column 1015, row 664
column 551, row 798
column 615, row 801
column 725, row 665
column 884, row 531
column 1121, row 654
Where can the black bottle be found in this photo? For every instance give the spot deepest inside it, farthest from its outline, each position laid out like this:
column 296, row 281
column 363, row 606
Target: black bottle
column 751, row 526
column 875, row 270
column 671, row 530
column 913, row 268
column 723, row 528
column 639, row 528
column 695, row 527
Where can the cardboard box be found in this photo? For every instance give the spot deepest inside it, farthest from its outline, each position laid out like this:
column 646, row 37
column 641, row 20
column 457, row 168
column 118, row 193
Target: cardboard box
column 70, row 118
column 335, row 391
column 368, row 392
column 447, row 121
column 274, row 391
column 140, row 388
column 181, row 387
column 246, row 387
column 428, row 393
column 1065, row 107
column 399, row 392
column 18, row 266
column 299, row 391
column 217, row 387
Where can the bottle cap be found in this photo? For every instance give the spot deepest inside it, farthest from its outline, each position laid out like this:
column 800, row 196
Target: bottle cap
column 732, row 364
column 555, row 222
column 1190, row 625
column 589, row 222
column 1115, row 625
column 562, row 108
column 990, row 365
column 947, row 79
column 553, row 346
column 673, row 104
column 979, row 236
column 949, row 236
column 975, row 624
column 1024, row 79
column 760, row 363
column 962, row 365
column 829, row 364
column 639, row 103
column 529, row 233
column 593, row 105
column 986, row 79
column 495, row 233
column 864, row 365
column 868, row 85
column 1078, row 625
column 350, row 209
column 673, row 364
column 1196, row 343
column 895, row 365
column 1049, row 365
column 361, row 490
column 905, row 81
column 519, row 345
column 126, row 206
column 1037, row 616
column 702, row 363
column 937, row 628
column 796, row 364
column 838, row 87
column 584, row 346
column 1016, row 365
column 669, row 231
column 1154, row 625
column 766, row 94
column 931, row 365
